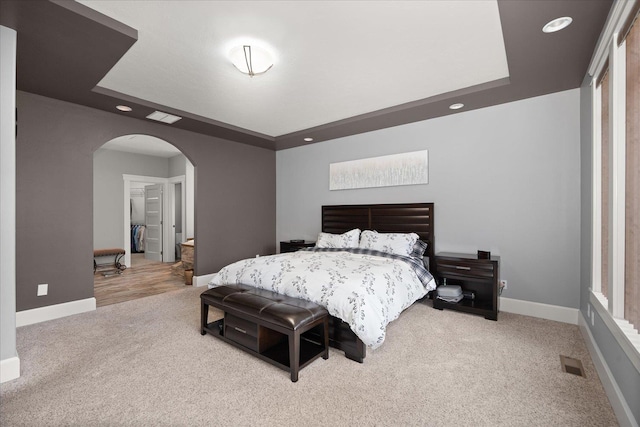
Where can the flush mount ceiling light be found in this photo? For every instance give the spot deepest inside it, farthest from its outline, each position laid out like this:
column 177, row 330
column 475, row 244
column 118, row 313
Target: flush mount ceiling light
column 251, row 60
column 308, row 139
column 456, row 106
column 557, row 24
column 124, row 108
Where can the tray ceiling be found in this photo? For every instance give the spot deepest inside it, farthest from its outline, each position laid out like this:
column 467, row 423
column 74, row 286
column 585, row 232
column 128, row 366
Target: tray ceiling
column 340, row 67
column 333, row 59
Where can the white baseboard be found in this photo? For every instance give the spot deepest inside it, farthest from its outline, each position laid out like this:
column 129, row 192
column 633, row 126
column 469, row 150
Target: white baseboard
column 616, row 398
column 543, row 311
column 202, row 280
column 9, row 369
column 50, row 312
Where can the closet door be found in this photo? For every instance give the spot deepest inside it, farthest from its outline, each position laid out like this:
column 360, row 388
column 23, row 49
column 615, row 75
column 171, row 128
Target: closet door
column 153, row 222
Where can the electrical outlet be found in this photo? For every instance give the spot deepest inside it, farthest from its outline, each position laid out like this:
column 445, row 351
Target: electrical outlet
column 593, row 318
column 503, row 284
column 43, row 289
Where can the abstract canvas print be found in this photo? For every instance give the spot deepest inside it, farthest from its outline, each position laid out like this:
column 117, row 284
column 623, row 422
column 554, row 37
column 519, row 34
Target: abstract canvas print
column 384, row 171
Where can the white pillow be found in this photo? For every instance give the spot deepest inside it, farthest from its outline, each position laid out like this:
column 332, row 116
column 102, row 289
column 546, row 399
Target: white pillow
column 345, row 240
column 393, row 243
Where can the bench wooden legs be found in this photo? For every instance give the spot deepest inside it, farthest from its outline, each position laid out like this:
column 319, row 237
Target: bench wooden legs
column 204, row 316
column 294, row 349
column 294, row 354
column 312, row 347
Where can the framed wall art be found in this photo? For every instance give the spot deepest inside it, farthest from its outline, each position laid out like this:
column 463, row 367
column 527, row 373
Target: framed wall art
column 384, row 171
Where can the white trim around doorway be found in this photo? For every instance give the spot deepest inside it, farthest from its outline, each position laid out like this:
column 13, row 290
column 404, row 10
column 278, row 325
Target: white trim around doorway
column 168, row 244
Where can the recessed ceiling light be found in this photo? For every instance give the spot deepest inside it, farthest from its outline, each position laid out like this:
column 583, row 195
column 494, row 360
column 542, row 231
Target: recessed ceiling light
column 456, row 106
column 163, row 117
column 557, row 24
column 125, row 108
column 308, row 139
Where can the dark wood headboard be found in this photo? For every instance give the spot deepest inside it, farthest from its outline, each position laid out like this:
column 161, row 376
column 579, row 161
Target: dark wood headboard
column 388, row 218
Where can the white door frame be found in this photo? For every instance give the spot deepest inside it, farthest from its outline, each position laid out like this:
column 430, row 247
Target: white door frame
column 168, row 215
column 180, row 179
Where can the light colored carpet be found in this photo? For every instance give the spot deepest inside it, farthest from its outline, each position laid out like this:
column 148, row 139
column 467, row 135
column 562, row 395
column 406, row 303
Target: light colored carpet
column 144, row 362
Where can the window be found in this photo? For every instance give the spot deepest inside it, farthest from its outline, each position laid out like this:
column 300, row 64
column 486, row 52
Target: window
column 632, row 179
column 604, row 173
column 616, row 179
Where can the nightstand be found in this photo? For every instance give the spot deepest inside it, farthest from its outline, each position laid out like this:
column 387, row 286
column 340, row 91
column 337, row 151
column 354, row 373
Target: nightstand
column 292, row 247
column 472, row 274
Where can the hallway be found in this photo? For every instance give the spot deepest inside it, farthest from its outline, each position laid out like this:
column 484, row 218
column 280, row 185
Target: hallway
column 143, row 279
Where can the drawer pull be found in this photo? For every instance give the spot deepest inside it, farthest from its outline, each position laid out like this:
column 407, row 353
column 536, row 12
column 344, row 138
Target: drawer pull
column 240, row 330
column 460, row 267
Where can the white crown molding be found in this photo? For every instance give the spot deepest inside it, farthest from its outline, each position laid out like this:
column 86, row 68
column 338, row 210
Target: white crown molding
column 616, row 19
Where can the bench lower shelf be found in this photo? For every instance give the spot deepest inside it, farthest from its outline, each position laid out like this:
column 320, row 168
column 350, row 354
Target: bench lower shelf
column 277, row 355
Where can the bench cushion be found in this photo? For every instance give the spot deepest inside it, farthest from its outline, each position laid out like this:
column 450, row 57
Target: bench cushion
column 108, row 252
column 287, row 312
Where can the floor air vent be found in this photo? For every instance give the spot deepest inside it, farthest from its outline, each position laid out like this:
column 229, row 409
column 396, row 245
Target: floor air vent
column 571, row 366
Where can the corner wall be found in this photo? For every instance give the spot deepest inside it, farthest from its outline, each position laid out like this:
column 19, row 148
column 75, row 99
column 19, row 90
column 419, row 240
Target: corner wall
column 504, row 179
column 9, row 361
column 234, row 206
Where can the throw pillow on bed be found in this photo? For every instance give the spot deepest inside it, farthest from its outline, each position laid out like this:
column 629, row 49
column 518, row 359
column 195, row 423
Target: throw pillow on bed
column 419, row 249
column 393, row 243
column 345, row 240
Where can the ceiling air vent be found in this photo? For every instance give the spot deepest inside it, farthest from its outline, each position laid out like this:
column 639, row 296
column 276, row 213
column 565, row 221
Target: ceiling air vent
column 163, row 117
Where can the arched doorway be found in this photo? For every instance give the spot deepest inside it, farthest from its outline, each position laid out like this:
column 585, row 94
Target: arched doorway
column 130, row 172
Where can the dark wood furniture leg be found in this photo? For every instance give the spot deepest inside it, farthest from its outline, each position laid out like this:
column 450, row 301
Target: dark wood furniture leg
column 204, row 316
column 294, row 354
column 325, row 325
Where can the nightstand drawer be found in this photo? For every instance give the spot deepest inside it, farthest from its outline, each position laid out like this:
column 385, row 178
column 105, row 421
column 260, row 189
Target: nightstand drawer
column 464, row 268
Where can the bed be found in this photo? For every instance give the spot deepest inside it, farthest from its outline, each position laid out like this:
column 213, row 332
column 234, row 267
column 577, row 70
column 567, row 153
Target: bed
column 363, row 288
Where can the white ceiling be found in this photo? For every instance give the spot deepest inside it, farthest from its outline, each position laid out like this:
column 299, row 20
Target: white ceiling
column 142, row 144
column 333, row 59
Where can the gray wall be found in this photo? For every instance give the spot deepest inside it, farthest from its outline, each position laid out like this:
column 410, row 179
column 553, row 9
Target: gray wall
column 8, row 41
column 626, row 375
column 177, row 165
column 108, row 187
column 504, row 179
column 234, row 208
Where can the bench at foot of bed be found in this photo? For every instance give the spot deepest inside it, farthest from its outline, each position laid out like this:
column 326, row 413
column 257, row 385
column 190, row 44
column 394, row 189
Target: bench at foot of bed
column 279, row 329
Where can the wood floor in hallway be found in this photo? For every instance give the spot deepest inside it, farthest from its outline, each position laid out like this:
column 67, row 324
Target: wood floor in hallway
column 144, row 278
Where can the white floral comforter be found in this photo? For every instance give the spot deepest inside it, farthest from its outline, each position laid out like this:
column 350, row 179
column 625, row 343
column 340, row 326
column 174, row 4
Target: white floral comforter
column 367, row 290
